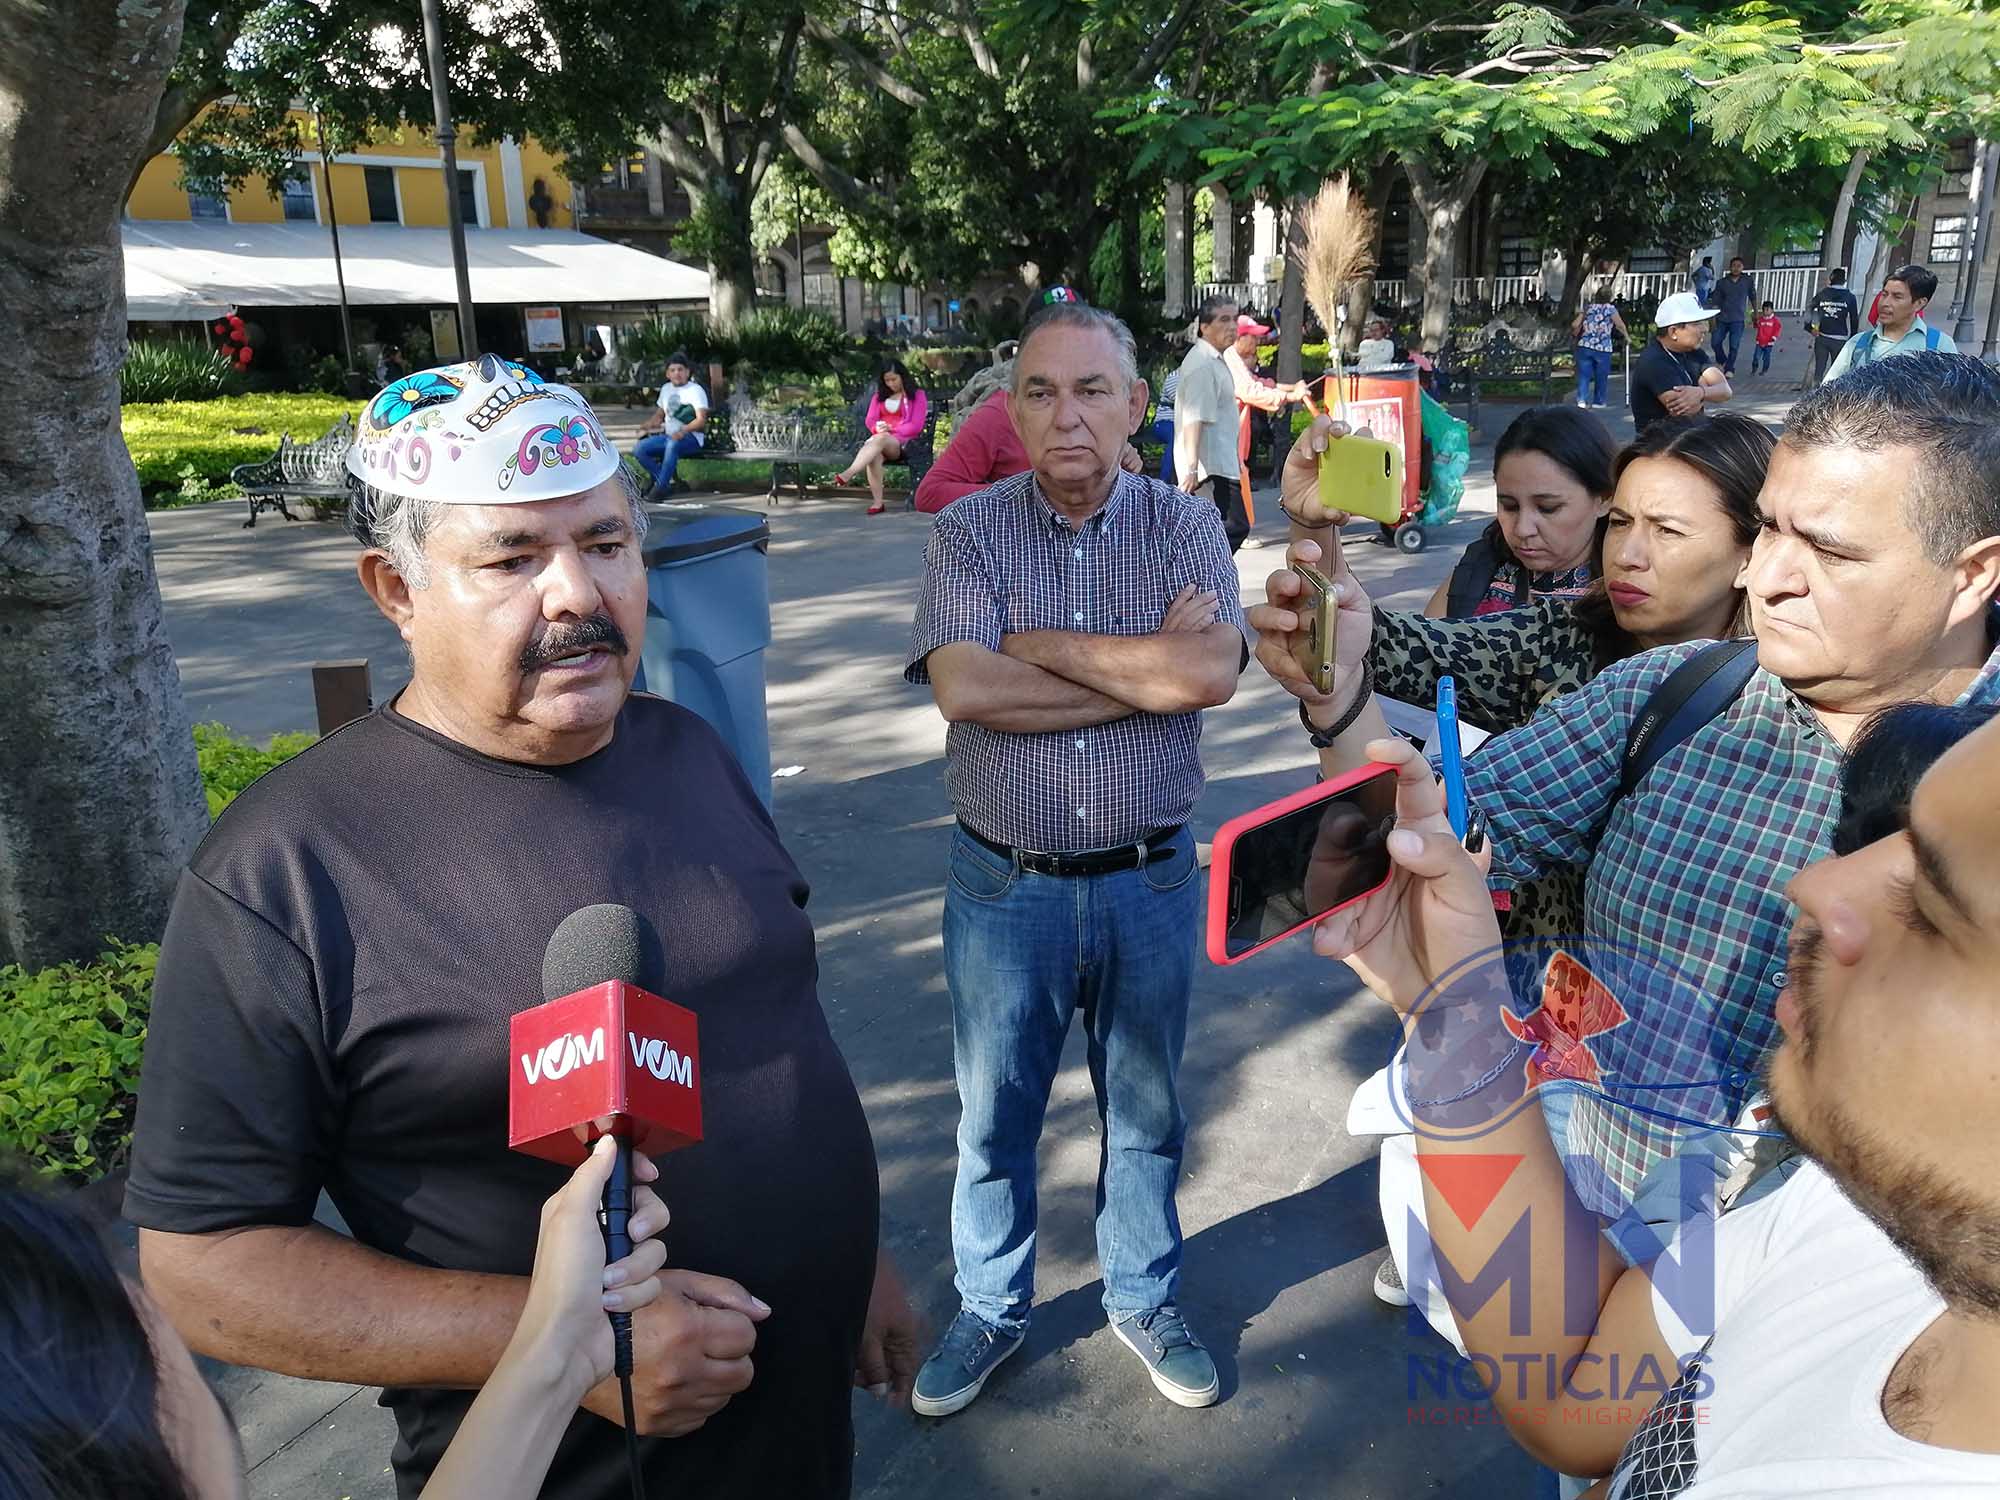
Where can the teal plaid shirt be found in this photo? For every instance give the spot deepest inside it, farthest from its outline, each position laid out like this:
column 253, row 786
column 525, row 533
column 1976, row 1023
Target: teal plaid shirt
column 1690, row 871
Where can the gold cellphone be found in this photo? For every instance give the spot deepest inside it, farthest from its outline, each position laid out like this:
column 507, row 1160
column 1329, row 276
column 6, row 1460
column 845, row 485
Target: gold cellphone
column 1312, row 642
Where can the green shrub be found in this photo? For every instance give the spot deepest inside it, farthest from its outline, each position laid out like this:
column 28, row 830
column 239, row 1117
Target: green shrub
column 329, row 376
column 229, row 764
column 687, row 333
column 71, row 1037
column 790, row 338
column 166, row 438
column 157, row 370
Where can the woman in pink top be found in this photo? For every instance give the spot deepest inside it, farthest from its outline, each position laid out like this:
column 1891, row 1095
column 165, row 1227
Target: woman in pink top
column 895, row 417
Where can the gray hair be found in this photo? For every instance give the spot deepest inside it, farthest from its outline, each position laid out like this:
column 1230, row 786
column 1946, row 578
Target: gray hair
column 1944, row 406
column 1080, row 315
column 1211, row 308
column 401, row 525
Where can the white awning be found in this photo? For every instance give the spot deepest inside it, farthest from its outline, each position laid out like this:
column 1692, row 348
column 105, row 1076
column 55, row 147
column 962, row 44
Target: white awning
column 152, row 298
column 291, row 265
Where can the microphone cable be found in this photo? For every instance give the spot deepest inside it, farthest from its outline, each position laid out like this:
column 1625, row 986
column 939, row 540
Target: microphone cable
column 618, row 1245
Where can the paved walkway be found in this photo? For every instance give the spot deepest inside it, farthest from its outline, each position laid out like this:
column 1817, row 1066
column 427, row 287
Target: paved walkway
column 1279, row 1203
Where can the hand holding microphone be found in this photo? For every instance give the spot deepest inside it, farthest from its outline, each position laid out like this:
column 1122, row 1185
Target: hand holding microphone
column 606, row 1055
column 563, row 1330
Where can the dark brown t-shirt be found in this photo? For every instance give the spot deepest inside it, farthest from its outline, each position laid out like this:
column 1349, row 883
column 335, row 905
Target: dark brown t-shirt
column 331, row 1012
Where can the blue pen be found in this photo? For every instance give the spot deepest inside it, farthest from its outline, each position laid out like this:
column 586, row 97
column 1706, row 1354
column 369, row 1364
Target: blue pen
column 1450, row 760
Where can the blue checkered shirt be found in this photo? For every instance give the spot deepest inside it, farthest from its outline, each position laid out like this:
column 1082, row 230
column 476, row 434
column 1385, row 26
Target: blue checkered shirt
column 1003, row 560
column 1689, row 870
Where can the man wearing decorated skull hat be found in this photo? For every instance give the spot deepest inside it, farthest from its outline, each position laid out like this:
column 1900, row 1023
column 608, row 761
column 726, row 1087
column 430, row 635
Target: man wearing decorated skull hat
column 350, row 940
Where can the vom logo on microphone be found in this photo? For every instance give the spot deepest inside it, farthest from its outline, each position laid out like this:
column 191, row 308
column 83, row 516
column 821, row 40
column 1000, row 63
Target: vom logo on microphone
column 661, row 1060
column 563, row 1056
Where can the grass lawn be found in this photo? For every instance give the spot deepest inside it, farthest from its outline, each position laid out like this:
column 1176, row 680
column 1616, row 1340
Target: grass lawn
column 166, row 438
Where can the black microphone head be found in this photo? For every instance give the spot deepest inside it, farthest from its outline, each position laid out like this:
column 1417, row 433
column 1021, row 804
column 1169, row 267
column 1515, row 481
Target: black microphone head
column 599, row 944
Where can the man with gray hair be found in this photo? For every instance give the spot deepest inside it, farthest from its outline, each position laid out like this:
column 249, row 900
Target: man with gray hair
column 1075, row 621
column 1205, row 451
column 350, row 941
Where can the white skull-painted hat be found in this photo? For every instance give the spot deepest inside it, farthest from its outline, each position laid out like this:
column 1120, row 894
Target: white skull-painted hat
column 482, row 432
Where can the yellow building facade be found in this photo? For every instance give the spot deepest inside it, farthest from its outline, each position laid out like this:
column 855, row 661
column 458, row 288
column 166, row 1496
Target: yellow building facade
column 394, row 179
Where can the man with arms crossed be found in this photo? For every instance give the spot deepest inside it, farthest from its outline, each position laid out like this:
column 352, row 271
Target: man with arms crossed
column 1075, row 621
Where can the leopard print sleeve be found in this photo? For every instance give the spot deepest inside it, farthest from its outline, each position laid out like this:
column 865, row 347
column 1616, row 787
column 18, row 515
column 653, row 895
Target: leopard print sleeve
column 1506, row 664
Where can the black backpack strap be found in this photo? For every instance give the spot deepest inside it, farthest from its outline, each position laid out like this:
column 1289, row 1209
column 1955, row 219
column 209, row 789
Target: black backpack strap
column 1692, row 694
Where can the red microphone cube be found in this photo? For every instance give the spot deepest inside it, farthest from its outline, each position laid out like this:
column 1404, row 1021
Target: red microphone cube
column 613, row 1049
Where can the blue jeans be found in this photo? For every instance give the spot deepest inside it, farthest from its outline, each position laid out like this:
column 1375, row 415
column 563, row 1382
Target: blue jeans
column 660, row 456
column 1732, row 334
column 1593, row 375
column 1163, row 432
column 1022, row 953
column 1760, row 359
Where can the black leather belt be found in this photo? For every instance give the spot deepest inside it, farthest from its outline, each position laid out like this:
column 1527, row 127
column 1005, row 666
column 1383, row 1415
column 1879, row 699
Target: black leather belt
column 1089, row 862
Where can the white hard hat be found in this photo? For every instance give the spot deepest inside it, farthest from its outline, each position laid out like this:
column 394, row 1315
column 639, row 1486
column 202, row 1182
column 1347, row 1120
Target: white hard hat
column 1682, row 307
column 483, row 432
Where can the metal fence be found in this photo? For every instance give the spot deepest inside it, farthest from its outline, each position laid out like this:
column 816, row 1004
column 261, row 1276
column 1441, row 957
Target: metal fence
column 1791, row 288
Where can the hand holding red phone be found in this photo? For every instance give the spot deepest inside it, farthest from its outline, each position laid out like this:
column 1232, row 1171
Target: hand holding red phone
column 1281, row 867
column 1434, row 910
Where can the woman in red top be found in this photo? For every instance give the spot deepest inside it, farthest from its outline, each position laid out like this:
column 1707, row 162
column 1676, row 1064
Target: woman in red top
column 895, row 416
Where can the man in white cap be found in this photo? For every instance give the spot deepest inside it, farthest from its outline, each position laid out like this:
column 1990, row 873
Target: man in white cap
column 1674, row 378
column 350, row 940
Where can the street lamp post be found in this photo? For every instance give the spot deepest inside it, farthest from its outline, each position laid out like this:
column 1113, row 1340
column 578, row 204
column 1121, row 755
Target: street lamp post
column 333, row 228
column 447, row 139
column 1985, row 158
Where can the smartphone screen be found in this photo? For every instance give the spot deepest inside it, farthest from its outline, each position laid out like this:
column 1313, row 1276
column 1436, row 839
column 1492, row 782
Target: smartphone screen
column 1307, row 862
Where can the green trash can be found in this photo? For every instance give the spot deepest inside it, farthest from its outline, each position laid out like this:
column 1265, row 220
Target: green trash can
column 708, row 620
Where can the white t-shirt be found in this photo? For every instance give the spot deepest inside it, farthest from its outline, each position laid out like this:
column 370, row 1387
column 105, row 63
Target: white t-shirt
column 1813, row 1308
column 681, row 395
column 1375, row 354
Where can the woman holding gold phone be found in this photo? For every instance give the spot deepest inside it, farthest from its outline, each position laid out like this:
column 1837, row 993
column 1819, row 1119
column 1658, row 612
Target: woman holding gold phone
column 1678, row 524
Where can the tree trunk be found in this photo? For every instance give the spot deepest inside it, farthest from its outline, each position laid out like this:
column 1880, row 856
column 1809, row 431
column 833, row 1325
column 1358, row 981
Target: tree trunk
column 1441, row 203
column 1580, row 258
column 101, row 802
column 732, row 289
column 1131, row 305
column 1835, row 244
column 1361, row 295
column 724, row 214
column 1292, row 295
column 1360, row 304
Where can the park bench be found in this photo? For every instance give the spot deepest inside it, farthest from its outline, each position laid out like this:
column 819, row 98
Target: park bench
column 791, row 438
column 314, row 472
column 1491, row 360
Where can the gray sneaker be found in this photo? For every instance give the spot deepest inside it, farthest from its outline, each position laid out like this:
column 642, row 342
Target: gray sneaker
column 1389, row 1286
column 951, row 1378
column 1181, row 1368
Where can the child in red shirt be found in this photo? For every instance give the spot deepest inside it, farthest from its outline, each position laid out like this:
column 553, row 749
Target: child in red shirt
column 1768, row 328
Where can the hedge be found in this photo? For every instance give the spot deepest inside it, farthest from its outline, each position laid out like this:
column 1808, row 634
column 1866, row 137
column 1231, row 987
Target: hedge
column 72, row 1035
column 167, row 438
column 70, row 1041
column 229, row 764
